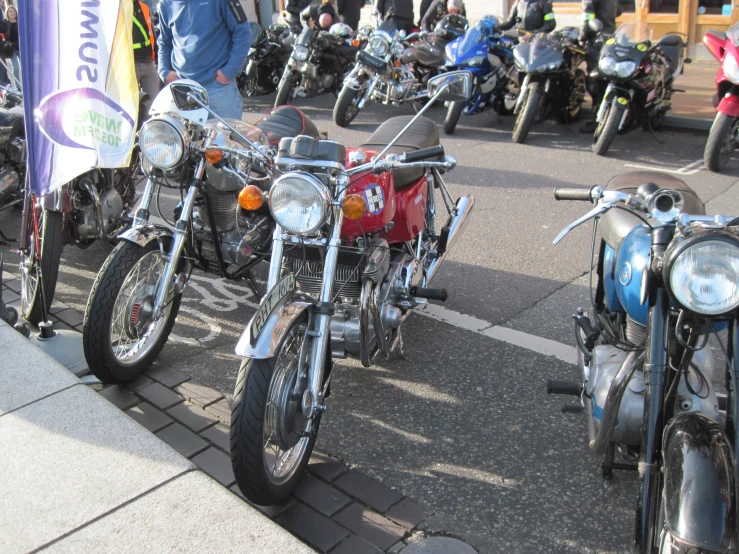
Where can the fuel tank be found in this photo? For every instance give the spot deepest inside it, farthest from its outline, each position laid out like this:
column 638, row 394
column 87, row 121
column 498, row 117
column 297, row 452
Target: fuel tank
column 632, row 261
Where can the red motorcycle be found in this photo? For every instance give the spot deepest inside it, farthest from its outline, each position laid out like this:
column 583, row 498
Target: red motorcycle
column 354, row 251
column 723, row 136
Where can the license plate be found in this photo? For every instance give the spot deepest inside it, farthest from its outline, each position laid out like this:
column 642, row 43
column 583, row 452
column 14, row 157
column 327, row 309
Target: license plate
column 284, row 287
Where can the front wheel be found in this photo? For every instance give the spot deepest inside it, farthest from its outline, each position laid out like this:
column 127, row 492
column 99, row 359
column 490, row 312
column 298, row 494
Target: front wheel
column 285, row 91
column 528, row 113
column 269, row 451
column 452, row 117
column 121, row 336
column 721, row 142
column 607, row 129
column 346, row 108
column 40, row 261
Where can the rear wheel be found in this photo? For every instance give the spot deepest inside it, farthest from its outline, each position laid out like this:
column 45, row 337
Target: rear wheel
column 721, row 142
column 285, row 91
column 577, row 96
column 452, row 116
column 607, row 128
column 528, row 112
column 40, row 261
column 346, row 108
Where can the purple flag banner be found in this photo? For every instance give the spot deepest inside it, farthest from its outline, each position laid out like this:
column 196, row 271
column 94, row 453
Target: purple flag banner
column 79, row 87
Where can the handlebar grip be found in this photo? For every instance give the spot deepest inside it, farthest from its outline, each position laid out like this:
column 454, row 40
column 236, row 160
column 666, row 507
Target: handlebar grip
column 424, row 153
column 236, row 138
column 564, row 193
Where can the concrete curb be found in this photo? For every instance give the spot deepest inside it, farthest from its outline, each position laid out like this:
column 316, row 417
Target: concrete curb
column 688, row 123
column 79, row 472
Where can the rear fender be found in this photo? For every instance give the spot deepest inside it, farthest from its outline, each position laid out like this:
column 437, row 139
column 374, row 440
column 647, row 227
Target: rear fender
column 279, row 321
column 699, row 492
column 729, row 105
column 59, row 200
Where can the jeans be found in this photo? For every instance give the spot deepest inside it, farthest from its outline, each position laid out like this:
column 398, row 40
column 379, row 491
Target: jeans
column 16, row 66
column 146, row 74
column 225, row 100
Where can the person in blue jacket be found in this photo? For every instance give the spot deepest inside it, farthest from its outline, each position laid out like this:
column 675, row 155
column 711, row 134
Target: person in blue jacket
column 206, row 41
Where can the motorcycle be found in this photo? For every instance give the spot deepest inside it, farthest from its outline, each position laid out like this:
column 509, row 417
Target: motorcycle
column 222, row 169
column 12, row 151
column 489, row 57
column 354, row 251
column 554, row 82
column 266, row 60
column 318, row 63
column 722, row 138
column 641, row 75
column 391, row 70
column 667, row 278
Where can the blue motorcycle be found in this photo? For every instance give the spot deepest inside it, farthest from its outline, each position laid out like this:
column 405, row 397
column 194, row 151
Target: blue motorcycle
column 489, row 57
column 667, row 277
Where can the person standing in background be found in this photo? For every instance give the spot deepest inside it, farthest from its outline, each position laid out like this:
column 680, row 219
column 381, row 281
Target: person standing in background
column 350, row 12
column 207, row 42
column 11, row 34
column 400, row 11
column 143, row 52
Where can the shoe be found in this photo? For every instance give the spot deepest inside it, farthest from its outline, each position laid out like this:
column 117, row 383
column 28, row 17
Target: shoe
column 589, row 127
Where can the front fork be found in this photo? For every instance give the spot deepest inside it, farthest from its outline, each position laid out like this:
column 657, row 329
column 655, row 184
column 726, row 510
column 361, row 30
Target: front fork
column 522, row 93
column 608, row 96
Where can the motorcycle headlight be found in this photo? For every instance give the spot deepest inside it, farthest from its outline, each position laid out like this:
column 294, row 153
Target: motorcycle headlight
column 731, row 69
column 162, row 141
column 299, row 202
column 702, row 273
column 607, row 65
column 398, row 49
column 300, row 53
column 626, row 68
column 476, row 60
column 378, row 46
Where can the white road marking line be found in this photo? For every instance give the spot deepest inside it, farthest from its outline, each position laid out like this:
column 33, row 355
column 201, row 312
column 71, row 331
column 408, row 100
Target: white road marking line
column 690, row 169
column 536, row 344
column 214, row 329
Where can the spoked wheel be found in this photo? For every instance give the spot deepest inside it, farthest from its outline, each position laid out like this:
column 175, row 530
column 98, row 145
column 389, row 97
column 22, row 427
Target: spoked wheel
column 531, row 106
column 722, row 141
column 40, row 260
column 346, row 108
column 577, row 96
column 269, row 449
column 121, row 336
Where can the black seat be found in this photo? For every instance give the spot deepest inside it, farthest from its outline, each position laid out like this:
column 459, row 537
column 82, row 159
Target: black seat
column 286, row 121
column 422, row 134
column 672, row 46
column 616, row 224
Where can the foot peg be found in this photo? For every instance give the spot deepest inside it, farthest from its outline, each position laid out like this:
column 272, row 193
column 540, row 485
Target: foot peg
column 430, row 294
column 563, row 387
column 572, row 409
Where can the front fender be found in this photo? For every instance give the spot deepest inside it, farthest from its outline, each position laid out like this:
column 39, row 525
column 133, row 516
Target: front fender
column 265, row 344
column 144, row 234
column 699, row 492
column 729, row 105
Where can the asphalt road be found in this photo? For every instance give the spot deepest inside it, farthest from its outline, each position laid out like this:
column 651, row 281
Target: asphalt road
column 463, row 424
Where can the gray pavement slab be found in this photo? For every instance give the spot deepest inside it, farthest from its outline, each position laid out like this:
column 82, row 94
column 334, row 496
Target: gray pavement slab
column 70, row 458
column 27, row 376
column 187, row 514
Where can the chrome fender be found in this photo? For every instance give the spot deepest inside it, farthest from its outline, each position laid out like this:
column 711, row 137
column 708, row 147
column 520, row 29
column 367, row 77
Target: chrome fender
column 144, row 234
column 699, row 491
column 268, row 338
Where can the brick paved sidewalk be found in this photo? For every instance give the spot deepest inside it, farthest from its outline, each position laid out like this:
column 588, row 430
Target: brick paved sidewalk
column 335, row 509
column 699, row 83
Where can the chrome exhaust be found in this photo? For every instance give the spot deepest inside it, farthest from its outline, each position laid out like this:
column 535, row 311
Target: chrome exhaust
column 456, row 224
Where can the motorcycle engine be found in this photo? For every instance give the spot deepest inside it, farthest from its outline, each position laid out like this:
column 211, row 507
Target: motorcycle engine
column 85, row 226
column 605, row 362
column 402, row 85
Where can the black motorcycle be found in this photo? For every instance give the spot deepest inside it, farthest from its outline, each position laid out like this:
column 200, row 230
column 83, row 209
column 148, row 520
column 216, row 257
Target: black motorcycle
column 641, row 75
column 318, row 64
column 269, row 52
column 554, row 82
column 12, row 151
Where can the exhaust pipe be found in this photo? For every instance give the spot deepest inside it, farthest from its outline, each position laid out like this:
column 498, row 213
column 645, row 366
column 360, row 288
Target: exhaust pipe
column 456, row 223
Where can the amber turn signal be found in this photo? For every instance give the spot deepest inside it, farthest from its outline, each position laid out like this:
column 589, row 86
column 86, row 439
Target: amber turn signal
column 397, row 63
column 355, row 42
column 251, row 198
column 354, row 206
column 213, row 155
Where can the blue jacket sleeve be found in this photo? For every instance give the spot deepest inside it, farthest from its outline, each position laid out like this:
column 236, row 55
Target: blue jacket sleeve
column 240, row 42
column 164, row 42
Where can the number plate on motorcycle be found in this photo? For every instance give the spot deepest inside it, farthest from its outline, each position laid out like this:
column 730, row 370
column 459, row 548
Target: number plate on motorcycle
column 283, row 287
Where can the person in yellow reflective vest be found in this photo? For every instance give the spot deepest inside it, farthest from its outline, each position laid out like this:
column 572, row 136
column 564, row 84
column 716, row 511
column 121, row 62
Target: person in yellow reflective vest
column 143, row 52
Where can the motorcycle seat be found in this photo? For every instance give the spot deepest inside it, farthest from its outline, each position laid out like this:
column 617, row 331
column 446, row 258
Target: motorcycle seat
column 672, row 46
column 616, row 224
column 286, row 121
column 422, row 134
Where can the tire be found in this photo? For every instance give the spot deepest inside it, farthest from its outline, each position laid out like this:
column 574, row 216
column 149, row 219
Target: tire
column 285, row 91
column 607, row 129
column 34, row 304
column 256, row 386
column 720, row 145
column 103, row 314
column 345, row 109
column 452, row 117
column 528, row 113
column 571, row 112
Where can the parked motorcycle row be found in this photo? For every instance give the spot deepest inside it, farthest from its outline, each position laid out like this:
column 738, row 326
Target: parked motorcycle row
column 351, row 241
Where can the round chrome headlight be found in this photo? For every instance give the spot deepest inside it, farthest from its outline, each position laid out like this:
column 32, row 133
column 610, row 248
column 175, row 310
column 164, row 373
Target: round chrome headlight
column 162, row 141
column 379, row 46
column 398, row 49
column 300, row 53
column 702, row 273
column 299, row 203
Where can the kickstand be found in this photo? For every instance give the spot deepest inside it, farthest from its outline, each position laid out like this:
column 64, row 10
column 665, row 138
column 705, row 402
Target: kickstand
column 607, row 465
column 651, row 132
column 253, row 285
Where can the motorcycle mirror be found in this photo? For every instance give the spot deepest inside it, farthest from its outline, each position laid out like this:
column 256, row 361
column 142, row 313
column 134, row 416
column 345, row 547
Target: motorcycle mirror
column 401, row 34
column 185, row 96
column 450, row 87
column 596, row 25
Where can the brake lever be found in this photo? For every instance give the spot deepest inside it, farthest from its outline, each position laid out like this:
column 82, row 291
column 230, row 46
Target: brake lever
column 608, row 199
column 599, row 209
